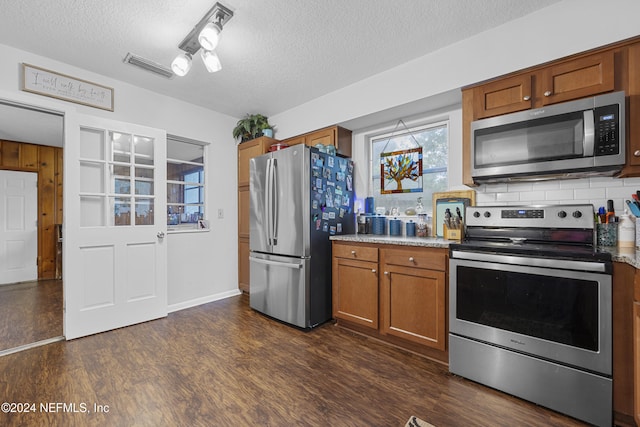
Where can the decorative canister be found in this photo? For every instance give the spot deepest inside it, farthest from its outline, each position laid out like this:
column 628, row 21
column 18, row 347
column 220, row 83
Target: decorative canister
column 379, row 225
column 395, row 227
column 369, row 206
column 411, row 229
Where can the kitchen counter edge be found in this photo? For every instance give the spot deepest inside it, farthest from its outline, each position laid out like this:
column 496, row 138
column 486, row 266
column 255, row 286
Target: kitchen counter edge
column 630, row 256
column 427, row 242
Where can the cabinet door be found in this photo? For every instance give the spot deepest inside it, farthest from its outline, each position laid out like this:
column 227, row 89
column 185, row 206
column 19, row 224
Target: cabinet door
column 414, row 305
column 243, row 212
column 355, row 291
column 503, row 96
column 636, row 360
column 247, row 151
column 243, row 264
column 323, row 136
column 295, row 140
column 577, row 78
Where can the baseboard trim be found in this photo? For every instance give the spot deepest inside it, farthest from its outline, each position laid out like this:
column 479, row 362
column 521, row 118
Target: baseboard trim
column 203, row 300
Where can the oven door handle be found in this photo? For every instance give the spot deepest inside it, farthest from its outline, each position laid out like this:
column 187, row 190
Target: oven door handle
column 598, row 267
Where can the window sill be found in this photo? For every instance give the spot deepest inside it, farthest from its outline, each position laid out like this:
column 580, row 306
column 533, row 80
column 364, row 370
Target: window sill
column 186, row 230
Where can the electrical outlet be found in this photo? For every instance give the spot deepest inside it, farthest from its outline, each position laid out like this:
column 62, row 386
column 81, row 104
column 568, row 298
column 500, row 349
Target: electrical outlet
column 220, row 213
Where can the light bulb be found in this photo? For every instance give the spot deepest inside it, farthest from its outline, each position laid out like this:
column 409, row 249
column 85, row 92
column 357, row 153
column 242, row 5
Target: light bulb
column 209, row 36
column 211, row 61
column 181, row 64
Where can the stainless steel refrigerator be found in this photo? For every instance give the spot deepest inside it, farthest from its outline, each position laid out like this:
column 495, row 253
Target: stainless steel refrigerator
column 299, row 197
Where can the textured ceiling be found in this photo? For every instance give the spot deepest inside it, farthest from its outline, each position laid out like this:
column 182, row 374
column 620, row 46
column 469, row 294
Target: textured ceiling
column 276, row 54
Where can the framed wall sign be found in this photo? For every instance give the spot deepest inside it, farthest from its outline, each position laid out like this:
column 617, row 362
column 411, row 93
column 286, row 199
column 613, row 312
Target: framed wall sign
column 60, row 86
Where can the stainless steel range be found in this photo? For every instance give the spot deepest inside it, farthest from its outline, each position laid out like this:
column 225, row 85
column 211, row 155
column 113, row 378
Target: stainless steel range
column 530, row 307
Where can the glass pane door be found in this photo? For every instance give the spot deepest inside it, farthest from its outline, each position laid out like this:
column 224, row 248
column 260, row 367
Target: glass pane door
column 117, row 172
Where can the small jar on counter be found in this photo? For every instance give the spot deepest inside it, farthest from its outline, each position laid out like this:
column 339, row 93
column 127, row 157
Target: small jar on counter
column 422, row 228
column 626, row 231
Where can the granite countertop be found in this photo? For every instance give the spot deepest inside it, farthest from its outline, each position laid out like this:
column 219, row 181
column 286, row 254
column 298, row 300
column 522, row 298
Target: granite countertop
column 429, row 242
column 630, row 256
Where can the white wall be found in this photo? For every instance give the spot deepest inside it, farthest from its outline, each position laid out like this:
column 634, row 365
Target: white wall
column 421, row 88
column 201, row 266
column 561, row 29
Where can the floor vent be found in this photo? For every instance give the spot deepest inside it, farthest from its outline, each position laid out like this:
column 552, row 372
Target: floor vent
column 148, row 65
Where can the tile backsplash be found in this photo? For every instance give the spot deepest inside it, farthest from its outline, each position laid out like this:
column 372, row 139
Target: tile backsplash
column 595, row 191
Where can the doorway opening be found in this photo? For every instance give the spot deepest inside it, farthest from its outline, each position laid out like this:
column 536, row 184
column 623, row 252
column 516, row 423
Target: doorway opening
column 31, row 286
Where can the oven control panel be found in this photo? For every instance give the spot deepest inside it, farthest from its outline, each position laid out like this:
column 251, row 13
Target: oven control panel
column 548, row 216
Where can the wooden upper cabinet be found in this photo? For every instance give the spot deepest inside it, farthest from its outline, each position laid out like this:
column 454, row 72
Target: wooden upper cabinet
column 607, row 69
column 300, row 139
column 335, row 135
column 565, row 81
column 577, row 78
column 248, row 150
column 503, row 96
column 323, row 136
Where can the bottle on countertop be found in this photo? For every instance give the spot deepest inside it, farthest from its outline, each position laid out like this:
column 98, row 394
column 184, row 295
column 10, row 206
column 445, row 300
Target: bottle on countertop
column 626, row 231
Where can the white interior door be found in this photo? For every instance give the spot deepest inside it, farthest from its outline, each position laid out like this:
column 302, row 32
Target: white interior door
column 18, row 226
column 115, row 221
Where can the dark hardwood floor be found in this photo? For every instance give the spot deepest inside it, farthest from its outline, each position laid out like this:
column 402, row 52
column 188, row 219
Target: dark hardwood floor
column 222, row 364
column 30, row 312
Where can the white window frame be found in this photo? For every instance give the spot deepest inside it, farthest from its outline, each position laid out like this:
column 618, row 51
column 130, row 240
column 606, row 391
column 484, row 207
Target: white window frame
column 188, row 227
column 389, row 131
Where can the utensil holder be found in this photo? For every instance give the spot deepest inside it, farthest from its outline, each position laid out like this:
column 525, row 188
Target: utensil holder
column 607, row 234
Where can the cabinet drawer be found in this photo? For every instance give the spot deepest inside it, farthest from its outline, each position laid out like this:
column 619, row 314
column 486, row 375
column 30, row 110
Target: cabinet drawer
column 362, row 253
column 432, row 259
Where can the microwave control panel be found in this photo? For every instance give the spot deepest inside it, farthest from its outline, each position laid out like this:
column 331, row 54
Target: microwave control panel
column 607, row 130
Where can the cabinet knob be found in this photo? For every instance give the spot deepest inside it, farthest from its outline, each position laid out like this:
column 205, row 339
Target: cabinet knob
column 386, row 273
column 526, row 98
column 411, row 259
column 636, row 153
column 353, row 253
column 373, row 270
column 547, row 93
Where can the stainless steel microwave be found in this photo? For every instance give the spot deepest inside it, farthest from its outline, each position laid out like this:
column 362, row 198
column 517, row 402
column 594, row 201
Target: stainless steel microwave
column 569, row 140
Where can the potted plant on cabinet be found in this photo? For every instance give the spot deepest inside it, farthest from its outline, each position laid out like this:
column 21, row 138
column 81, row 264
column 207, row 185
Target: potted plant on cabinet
column 252, row 126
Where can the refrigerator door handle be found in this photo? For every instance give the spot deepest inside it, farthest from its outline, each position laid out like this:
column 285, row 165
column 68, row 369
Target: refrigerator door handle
column 275, row 203
column 277, row 263
column 267, row 198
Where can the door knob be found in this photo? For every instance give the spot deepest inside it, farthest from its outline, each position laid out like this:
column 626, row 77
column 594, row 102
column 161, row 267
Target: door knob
column 160, row 234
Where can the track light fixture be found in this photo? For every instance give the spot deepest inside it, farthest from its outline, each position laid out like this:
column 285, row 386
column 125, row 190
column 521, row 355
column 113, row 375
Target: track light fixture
column 181, row 65
column 205, row 35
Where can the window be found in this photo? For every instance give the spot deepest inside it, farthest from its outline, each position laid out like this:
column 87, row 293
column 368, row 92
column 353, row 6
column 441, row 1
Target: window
column 434, row 141
column 185, row 183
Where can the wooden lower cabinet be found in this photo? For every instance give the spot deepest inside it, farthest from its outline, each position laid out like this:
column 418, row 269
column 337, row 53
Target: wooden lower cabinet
column 243, row 264
column 413, row 304
column 356, row 299
column 394, row 293
column 636, row 360
column 636, row 348
column 623, row 347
